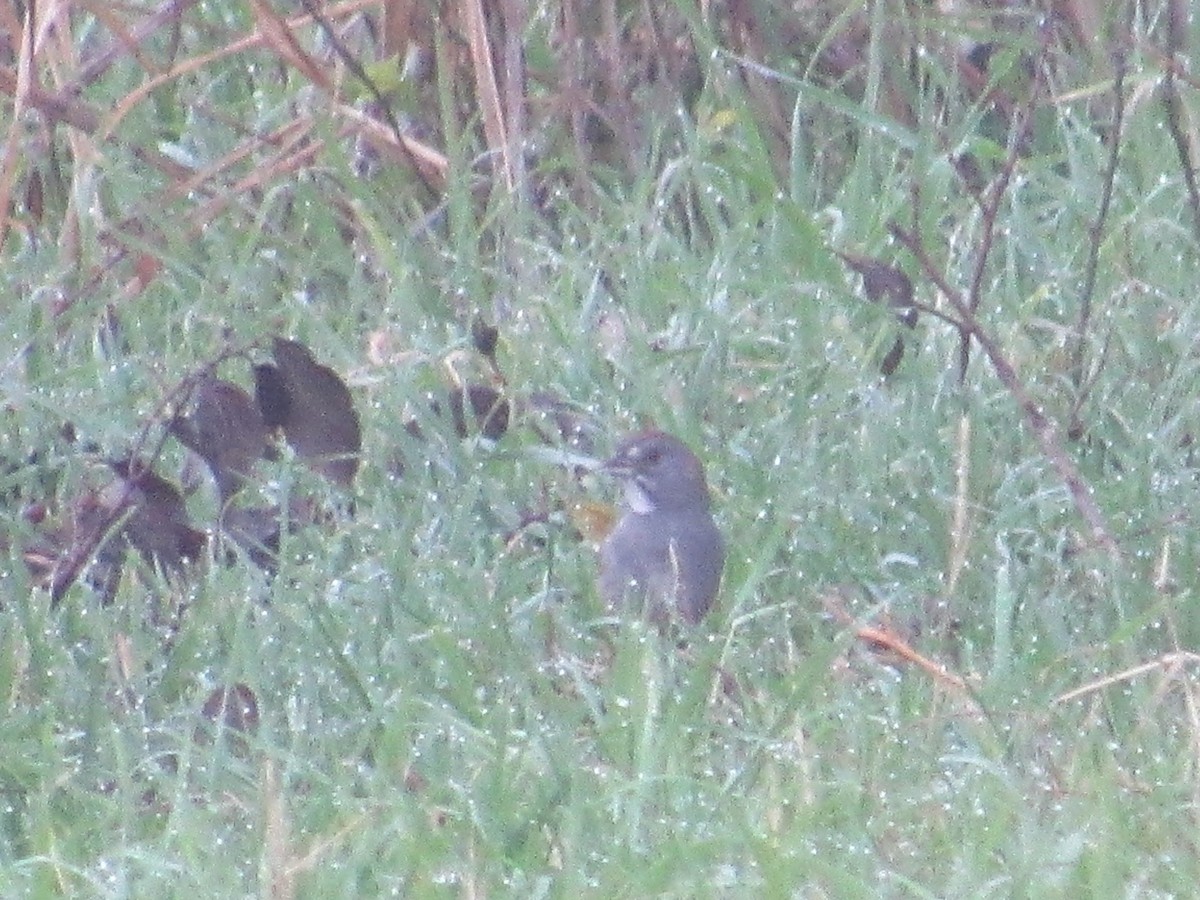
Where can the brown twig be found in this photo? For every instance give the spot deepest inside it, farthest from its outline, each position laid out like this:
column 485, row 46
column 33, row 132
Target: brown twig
column 1044, row 430
column 1096, row 229
column 170, row 12
column 1169, row 663
column 1019, row 133
column 965, row 306
column 1176, row 29
column 381, row 102
column 142, row 457
column 881, row 638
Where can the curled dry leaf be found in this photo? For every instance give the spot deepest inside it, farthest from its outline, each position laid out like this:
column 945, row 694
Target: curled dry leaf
column 314, row 408
column 56, row 554
column 485, row 336
column 226, row 429
column 232, row 708
column 61, row 555
column 889, row 284
column 884, row 282
column 489, row 408
column 158, row 526
column 155, row 523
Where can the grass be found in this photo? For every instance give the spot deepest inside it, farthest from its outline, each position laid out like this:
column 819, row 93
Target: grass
column 446, row 712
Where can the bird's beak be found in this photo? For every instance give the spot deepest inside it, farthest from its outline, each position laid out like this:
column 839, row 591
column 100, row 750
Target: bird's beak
column 616, row 466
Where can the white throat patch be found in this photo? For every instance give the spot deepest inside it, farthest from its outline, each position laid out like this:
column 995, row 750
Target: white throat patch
column 639, row 501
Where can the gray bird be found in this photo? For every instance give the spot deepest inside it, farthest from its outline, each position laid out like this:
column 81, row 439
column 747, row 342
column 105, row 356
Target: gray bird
column 665, row 553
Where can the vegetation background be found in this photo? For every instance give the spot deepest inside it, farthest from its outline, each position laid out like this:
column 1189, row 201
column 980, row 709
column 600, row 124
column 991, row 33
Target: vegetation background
column 952, row 656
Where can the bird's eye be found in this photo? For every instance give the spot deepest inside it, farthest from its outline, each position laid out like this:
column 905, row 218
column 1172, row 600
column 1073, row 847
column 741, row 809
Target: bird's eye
column 652, row 455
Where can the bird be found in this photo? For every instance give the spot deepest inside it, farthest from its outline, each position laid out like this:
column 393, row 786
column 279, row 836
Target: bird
column 665, row 551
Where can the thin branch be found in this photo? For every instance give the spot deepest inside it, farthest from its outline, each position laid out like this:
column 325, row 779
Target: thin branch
column 1018, row 140
column 883, row 638
column 151, row 26
column 1096, row 228
column 142, row 456
column 1044, row 430
column 1171, row 664
column 1176, row 27
column 1019, row 135
column 382, row 103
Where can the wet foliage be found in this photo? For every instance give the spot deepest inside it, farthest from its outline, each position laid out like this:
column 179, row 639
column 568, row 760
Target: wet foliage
column 318, row 318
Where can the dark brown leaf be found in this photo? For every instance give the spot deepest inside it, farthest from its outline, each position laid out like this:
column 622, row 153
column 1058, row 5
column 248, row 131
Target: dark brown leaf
column 62, row 555
column 892, row 359
column 484, row 336
column 883, row 282
column 232, row 708
column 226, row 429
column 319, row 419
column 158, row 526
column 271, row 395
column 489, row 408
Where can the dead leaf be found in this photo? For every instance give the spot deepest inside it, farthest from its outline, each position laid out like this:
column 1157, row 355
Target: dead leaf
column 271, row 396
column 882, row 281
column 61, row 555
column 314, row 408
column 886, row 283
column 226, row 429
column 158, row 526
column 232, row 708
column 235, row 706
column 593, row 520
column 489, row 408
column 485, row 336
column 892, row 358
